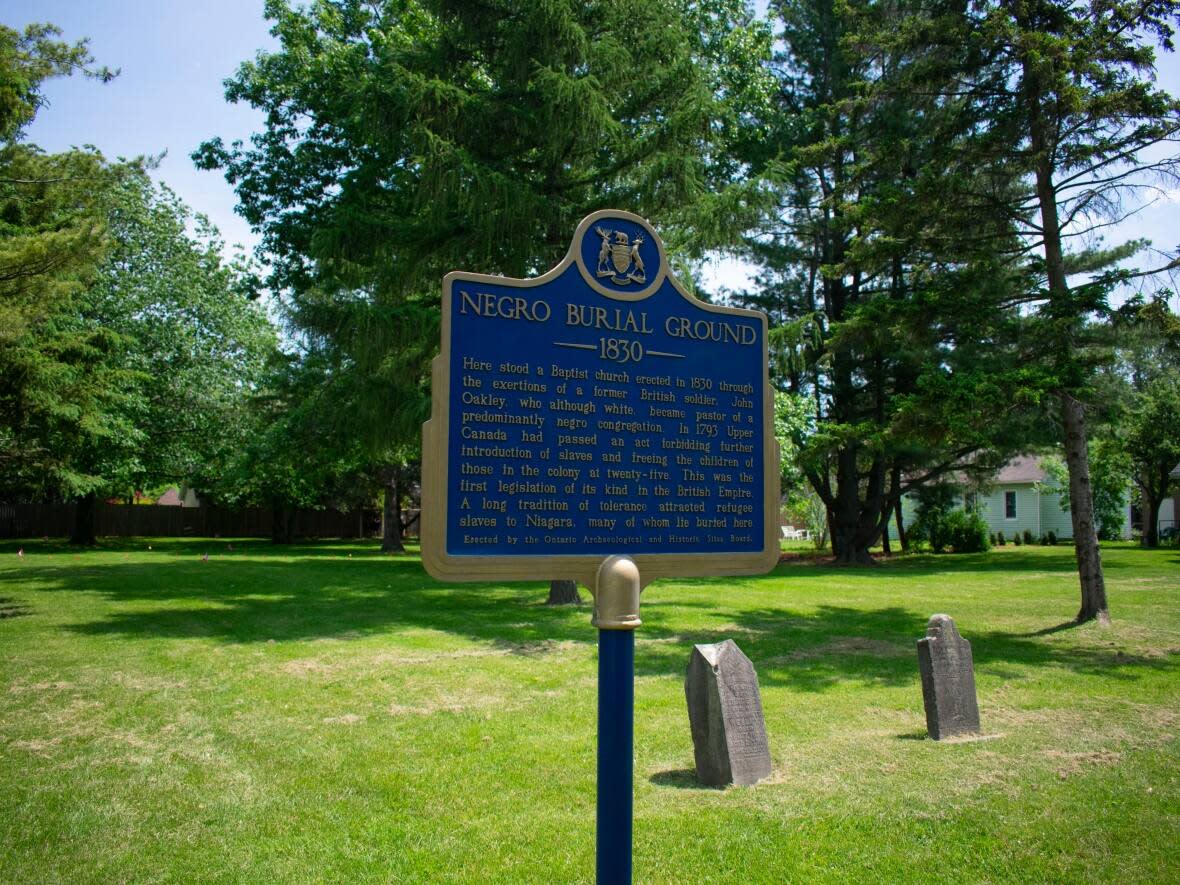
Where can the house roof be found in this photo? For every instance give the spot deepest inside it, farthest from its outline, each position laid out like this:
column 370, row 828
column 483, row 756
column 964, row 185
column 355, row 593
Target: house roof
column 1022, row 468
column 170, row 498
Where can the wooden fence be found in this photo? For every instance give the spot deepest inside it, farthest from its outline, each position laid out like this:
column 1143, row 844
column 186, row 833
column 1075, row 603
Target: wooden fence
column 149, row 520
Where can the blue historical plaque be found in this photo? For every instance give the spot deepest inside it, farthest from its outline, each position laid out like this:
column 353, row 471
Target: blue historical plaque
column 598, row 410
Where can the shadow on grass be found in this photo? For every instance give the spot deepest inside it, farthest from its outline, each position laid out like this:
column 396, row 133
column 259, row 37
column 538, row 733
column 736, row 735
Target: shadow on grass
column 1056, row 628
column 345, row 590
column 681, row 779
column 1034, row 559
column 11, row 608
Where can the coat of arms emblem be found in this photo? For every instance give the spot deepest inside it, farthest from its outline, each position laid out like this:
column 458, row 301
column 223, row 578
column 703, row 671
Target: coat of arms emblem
column 619, row 257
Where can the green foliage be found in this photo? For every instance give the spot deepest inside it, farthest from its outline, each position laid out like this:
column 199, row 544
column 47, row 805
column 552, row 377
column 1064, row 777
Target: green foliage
column 1110, row 478
column 1153, row 446
column 944, row 525
column 53, row 222
column 879, row 291
column 283, row 462
column 934, row 505
column 1055, row 121
column 967, row 532
column 27, row 59
column 139, row 377
column 407, row 139
column 60, row 380
column 464, row 135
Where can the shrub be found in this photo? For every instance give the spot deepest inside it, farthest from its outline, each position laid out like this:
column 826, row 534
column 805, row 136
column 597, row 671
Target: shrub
column 1044, row 540
column 966, row 532
column 1016, row 539
column 1000, row 539
column 930, row 527
column 934, row 506
column 1052, row 538
column 1028, row 536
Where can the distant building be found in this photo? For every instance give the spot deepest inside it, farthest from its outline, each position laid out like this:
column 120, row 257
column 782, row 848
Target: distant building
column 1021, row 498
column 182, row 497
column 1170, row 510
column 170, row 498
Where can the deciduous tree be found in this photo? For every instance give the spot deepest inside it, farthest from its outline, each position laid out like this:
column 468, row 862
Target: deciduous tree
column 408, row 138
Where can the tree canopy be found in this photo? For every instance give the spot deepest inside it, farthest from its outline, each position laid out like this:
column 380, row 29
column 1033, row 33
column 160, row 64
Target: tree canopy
column 127, row 343
column 408, row 138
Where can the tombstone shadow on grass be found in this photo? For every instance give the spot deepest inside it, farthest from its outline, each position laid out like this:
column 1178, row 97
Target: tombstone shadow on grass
column 804, row 651
column 682, row 779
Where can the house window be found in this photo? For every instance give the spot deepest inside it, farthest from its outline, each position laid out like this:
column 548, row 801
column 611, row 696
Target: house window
column 1009, row 505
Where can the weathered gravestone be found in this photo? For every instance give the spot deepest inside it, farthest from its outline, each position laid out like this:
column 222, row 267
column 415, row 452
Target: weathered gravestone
column 948, row 680
column 725, row 713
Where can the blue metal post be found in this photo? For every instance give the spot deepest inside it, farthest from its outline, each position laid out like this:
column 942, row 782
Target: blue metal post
column 616, row 718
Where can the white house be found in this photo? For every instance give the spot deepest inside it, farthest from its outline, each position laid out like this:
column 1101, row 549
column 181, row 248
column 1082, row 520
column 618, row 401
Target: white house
column 1020, row 499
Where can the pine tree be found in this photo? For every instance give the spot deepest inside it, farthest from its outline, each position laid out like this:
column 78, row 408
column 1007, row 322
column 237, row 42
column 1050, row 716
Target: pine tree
column 1060, row 94
column 885, row 292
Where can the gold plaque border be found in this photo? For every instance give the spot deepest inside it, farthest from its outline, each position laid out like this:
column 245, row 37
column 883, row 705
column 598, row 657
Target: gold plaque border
column 580, row 567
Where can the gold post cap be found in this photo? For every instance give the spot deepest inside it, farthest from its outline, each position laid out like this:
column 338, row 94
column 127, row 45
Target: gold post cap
column 616, row 594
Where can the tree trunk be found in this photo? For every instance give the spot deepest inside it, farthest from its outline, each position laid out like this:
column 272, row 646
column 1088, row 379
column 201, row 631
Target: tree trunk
column 391, row 516
column 1085, row 534
column 848, row 548
column 1073, row 418
column 563, row 593
column 1151, row 518
column 281, row 526
column 83, row 533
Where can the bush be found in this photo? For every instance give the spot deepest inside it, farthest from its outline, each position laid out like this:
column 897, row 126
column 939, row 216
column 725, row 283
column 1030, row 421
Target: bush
column 959, row 531
column 934, row 505
column 1028, row 537
column 1000, row 539
column 1044, row 540
column 1016, row 539
column 942, row 525
column 1052, row 538
column 966, row 532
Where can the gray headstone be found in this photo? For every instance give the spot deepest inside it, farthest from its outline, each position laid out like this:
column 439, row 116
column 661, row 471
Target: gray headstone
column 948, row 680
column 725, row 713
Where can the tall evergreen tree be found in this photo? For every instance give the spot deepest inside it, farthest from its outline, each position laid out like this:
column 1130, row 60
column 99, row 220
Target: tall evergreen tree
column 886, row 294
column 1059, row 93
column 161, row 346
column 53, row 237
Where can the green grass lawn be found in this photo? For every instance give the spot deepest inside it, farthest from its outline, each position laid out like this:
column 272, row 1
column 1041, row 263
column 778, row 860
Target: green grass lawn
column 326, row 713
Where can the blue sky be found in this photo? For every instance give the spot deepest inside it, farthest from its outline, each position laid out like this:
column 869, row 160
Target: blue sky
column 169, row 97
